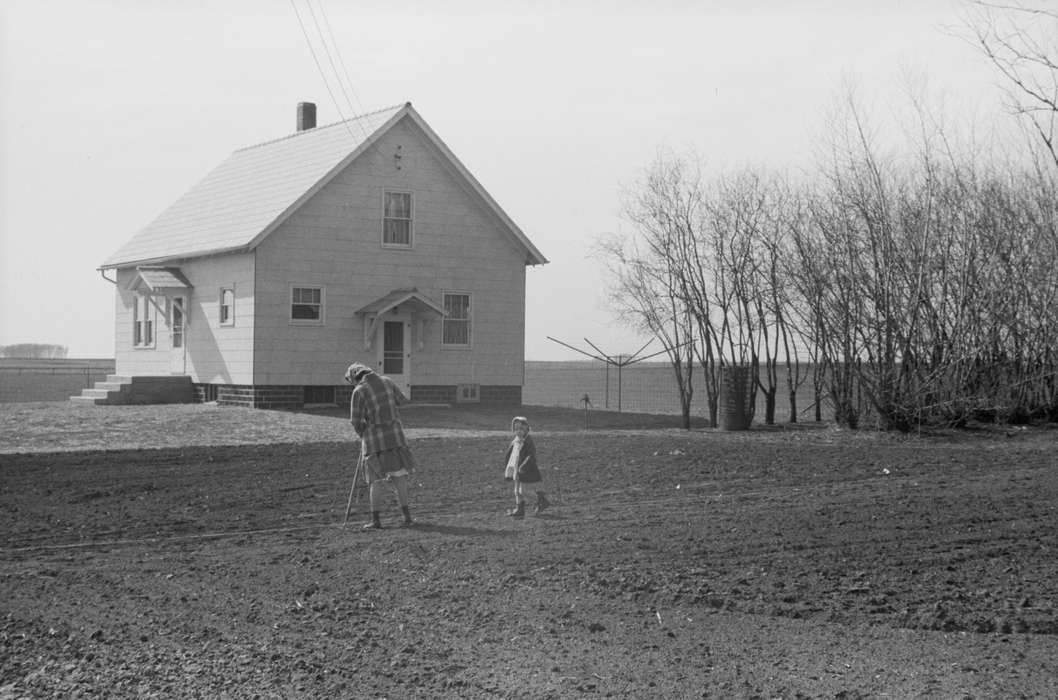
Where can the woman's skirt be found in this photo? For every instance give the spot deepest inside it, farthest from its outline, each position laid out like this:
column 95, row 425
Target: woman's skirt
column 389, row 463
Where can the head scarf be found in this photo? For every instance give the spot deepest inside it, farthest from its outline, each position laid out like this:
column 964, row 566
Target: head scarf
column 355, row 372
column 520, row 419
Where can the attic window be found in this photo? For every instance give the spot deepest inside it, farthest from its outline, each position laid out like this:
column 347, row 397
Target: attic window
column 396, row 220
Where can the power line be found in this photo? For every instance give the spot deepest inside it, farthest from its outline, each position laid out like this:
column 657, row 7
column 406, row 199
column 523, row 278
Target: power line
column 358, row 107
column 319, row 68
column 341, row 61
column 330, row 59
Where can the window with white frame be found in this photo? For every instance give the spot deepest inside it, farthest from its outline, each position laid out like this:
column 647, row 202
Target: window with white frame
column 396, row 219
column 143, row 317
column 455, row 329
column 177, row 321
column 227, row 306
column 306, row 305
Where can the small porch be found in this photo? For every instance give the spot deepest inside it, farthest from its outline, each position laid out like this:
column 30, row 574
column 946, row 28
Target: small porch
column 118, row 390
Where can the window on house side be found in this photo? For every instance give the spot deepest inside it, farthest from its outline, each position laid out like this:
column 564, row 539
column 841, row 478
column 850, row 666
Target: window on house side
column 306, row 304
column 176, row 321
column 142, row 322
column 455, row 330
column 227, row 306
column 396, row 219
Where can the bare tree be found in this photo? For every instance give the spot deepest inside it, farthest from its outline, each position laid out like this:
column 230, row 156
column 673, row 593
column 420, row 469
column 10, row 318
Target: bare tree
column 787, row 216
column 33, row 350
column 1021, row 41
column 650, row 274
column 919, row 282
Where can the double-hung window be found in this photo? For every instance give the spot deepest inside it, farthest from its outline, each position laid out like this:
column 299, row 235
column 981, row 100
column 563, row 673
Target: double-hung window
column 455, row 331
column 143, row 316
column 227, row 306
column 177, row 321
column 396, row 220
column 306, row 305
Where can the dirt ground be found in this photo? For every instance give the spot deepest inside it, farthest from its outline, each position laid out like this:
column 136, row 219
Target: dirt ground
column 775, row 563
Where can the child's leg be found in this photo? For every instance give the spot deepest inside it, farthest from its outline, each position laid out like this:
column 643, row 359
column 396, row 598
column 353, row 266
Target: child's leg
column 519, row 501
column 541, row 501
column 400, row 485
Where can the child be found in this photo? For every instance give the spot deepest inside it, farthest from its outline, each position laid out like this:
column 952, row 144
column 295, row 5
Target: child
column 522, row 468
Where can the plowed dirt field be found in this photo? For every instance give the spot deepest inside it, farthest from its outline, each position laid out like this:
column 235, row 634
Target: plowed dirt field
column 807, row 562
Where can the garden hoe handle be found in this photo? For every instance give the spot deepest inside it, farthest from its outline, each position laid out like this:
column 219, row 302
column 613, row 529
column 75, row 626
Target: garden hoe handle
column 352, row 489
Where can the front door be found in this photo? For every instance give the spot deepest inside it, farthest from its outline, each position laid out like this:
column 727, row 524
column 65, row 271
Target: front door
column 177, row 335
column 396, row 353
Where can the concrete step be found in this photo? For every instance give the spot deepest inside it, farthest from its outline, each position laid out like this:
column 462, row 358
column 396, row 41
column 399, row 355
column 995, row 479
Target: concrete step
column 105, row 393
column 98, row 393
column 119, row 390
column 87, row 400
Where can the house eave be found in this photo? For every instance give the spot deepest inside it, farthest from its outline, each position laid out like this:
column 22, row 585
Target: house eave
column 533, row 255
column 171, row 259
column 368, row 143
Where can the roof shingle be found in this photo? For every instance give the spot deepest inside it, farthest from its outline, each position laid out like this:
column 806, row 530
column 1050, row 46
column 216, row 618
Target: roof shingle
column 249, row 192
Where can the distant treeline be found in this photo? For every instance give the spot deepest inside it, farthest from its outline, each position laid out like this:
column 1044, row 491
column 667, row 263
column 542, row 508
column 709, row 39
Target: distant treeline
column 33, row 351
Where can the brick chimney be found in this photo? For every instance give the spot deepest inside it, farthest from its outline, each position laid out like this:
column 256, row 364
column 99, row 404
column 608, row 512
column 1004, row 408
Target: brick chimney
column 306, row 116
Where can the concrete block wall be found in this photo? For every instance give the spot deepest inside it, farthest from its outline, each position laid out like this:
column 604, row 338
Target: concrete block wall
column 268, row 397
column 501, row 395
column 150, row 390
column 293, row 397
column 433, row 394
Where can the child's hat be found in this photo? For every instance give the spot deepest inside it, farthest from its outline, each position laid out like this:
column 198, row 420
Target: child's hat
column 519, row 419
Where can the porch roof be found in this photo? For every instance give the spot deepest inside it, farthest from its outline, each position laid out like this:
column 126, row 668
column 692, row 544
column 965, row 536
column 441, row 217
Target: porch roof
column 398, row 297
column 412, row 298
column 159, row 280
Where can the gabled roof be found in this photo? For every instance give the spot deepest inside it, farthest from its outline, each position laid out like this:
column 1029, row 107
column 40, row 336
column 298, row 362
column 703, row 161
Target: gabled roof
column 401, row 296
column 250, row 194
column 159, row 280
column 411, row 299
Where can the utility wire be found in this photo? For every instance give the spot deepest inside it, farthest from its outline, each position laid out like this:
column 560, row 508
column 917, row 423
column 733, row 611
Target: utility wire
column 341, row 61
column 354, row 103
column 319, row 68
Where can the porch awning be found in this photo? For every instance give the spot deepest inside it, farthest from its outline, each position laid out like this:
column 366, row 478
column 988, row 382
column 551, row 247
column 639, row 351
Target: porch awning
column 410, row 299
column 159, row 280
column 399, row 297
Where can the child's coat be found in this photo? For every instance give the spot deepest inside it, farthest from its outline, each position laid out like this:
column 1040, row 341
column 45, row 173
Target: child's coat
column 527, row 472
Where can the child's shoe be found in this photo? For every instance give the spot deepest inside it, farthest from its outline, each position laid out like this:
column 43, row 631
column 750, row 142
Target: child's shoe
column 518, row 512
column 541, row 502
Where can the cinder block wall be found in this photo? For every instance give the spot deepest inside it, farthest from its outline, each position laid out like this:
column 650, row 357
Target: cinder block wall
column 293, row 397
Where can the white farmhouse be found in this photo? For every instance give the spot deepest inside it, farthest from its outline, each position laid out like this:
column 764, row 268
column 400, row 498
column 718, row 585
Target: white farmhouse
column 362, row 240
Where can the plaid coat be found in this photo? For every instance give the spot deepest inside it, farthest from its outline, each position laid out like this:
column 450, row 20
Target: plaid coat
column 374, row 415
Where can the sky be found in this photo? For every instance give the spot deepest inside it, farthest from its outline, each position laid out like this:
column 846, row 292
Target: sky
column 111, row 109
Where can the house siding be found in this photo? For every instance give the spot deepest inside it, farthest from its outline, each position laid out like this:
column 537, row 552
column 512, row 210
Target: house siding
column 129, row 360
column 215, row 354
column 334, row 241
